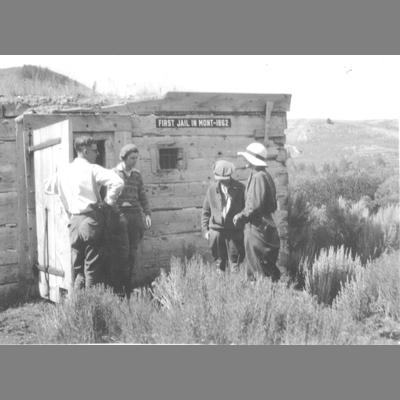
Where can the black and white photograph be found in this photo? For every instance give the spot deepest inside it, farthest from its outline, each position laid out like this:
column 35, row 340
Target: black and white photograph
column 199, row 199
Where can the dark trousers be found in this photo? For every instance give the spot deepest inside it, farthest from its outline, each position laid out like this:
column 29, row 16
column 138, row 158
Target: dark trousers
column 227, row 246
column 128, row 236
column 261, row 251
column 86, row 236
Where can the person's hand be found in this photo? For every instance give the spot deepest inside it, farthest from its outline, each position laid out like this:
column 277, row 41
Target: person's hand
column 207, row 235
column 148, row 221
column 112, row 207
column 236, row 219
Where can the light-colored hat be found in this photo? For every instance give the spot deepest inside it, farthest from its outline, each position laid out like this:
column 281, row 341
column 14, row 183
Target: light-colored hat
column 223, row 170
column 127, row 149
column 255, row 154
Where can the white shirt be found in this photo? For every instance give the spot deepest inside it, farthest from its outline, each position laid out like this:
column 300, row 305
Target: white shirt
column 227, row 200
column 78, row 185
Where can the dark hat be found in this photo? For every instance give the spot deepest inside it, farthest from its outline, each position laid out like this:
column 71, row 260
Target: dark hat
column 223, row 170
column 127, row 149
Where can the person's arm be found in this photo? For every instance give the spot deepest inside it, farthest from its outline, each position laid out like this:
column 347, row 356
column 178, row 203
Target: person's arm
column 51, row 185
column 271, row 201
column 254, row 200
column 111, row 180
column 205, row 216
column 143, row 197
column 144, row 202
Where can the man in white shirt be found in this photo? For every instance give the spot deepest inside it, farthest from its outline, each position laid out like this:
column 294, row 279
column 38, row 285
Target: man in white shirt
column 78, row 186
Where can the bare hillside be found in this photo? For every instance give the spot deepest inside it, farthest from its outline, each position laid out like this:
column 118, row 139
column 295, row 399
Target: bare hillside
column 322, row 141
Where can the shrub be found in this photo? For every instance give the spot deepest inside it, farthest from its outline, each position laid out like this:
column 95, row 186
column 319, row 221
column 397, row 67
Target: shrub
column 374, row 290
column 340, row 223
column 328, row 272
column 195, row 303
column 388, row 219
column 201, row 305
column 351, row 180
column 92, row 315
column 388, row 192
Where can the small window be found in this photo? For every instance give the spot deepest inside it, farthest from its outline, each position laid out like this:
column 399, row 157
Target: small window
column 170, row 158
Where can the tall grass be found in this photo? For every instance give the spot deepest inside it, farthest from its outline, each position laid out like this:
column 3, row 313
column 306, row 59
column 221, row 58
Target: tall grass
column 329, row 272
column 195, row 303
column 95, row 315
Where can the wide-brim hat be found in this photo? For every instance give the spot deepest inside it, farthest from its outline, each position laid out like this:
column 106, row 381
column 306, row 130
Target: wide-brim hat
column 223, row 170
column 255, row 154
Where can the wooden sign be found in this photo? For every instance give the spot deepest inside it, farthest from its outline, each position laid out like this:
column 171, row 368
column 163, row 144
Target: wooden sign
column 193, row 122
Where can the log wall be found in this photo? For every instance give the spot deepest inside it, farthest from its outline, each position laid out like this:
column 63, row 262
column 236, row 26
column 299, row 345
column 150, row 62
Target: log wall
column 9, row 271
column 176, row 196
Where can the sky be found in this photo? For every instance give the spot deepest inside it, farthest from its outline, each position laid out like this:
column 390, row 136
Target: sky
column 322, row 86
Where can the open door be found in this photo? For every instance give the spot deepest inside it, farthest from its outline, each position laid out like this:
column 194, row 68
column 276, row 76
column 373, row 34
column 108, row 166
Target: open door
column 52, row 148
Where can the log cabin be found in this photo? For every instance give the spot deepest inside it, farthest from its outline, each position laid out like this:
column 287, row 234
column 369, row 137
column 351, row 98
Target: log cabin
column 179, row 137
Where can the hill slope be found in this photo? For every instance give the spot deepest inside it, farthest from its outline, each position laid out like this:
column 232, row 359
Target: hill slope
column 31, row 80
column 320, row 141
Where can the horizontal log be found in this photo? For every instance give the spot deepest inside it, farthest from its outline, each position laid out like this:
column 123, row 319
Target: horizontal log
column 189, row 194
column 175, row 222
column 199, row 146
column 157, row 252
column 8, row 152
column 245, row 126
column 81, row 123
column 8, row 237
column 176, row 195
column 9, row 273
column 8, row 257
column 207, row 102
column 189, row 221
column 7, row 130
column 8, row 178
column 9, row 292
column 8, row 208
column 200, row 169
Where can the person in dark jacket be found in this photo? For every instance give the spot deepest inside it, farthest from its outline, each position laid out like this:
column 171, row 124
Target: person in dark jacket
column 261, row 236
column 134, row 217
column 224, row 199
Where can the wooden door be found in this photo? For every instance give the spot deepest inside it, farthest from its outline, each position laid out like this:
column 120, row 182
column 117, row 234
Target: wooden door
column 52, row 149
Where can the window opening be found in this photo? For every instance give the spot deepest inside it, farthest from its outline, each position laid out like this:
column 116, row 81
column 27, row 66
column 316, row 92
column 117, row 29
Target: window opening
column 170, row 158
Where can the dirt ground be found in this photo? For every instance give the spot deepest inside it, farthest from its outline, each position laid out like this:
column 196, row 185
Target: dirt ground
column 18, row 325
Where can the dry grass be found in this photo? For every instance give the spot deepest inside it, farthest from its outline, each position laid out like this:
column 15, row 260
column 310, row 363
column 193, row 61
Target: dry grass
column 374, row 289
column 31, row 80
column 196, row 304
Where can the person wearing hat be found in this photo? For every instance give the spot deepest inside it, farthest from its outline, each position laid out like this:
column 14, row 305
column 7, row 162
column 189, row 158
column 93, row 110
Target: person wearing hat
column 224, row 199
column 134, row 217
column 261, row 237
